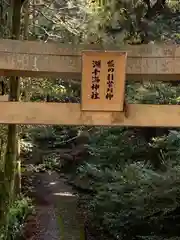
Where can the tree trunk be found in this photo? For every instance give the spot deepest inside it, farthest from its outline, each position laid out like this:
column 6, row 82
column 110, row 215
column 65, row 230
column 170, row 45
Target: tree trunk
column 12, row 140
column 17, row 183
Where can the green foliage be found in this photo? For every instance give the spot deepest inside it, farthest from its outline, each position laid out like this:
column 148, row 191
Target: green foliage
column 17, row 214
column 112, row 148
column 132, row 200
column 153, row 93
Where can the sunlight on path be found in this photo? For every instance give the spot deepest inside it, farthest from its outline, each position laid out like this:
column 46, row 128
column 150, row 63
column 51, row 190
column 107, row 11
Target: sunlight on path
column 58, row 218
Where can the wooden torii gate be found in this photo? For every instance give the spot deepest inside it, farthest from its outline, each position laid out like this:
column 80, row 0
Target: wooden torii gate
column 144, row 62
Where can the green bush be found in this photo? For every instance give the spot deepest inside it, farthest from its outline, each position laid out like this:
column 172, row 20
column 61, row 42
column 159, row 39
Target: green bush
column 16, row 216
column 132, row 200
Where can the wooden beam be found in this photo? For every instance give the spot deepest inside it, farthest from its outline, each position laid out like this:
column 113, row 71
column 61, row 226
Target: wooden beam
column 70, row 114
column 41, row 48
column 27, row 58
column 4, row 98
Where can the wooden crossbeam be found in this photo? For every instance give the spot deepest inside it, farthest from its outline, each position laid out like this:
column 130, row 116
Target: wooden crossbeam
column 70, row 114
column 27, row 58
column 4, row 98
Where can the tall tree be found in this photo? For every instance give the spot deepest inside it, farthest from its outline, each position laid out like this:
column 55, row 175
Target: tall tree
column 12, row 136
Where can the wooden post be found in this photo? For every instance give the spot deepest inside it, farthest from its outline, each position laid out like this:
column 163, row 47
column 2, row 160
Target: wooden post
column 12, row 143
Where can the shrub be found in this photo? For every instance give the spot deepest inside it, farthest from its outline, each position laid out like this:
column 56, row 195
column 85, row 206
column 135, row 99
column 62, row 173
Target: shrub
column 132, row 200
column 17, row 215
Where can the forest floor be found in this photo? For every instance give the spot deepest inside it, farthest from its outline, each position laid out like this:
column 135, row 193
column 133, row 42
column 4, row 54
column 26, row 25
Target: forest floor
column 56, row 215
column 56, row 209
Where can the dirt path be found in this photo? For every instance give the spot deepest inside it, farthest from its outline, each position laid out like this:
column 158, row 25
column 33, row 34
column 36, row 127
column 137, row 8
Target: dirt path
column 57, row 216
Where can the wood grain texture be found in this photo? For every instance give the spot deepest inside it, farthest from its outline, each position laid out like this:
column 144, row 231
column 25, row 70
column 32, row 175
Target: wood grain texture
column 4, row 98
column 27, row 58
column 70, row 114
column 41, row 48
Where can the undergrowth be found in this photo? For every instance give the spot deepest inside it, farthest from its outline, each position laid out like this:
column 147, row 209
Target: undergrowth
column 17, row 215
column 132, row 200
